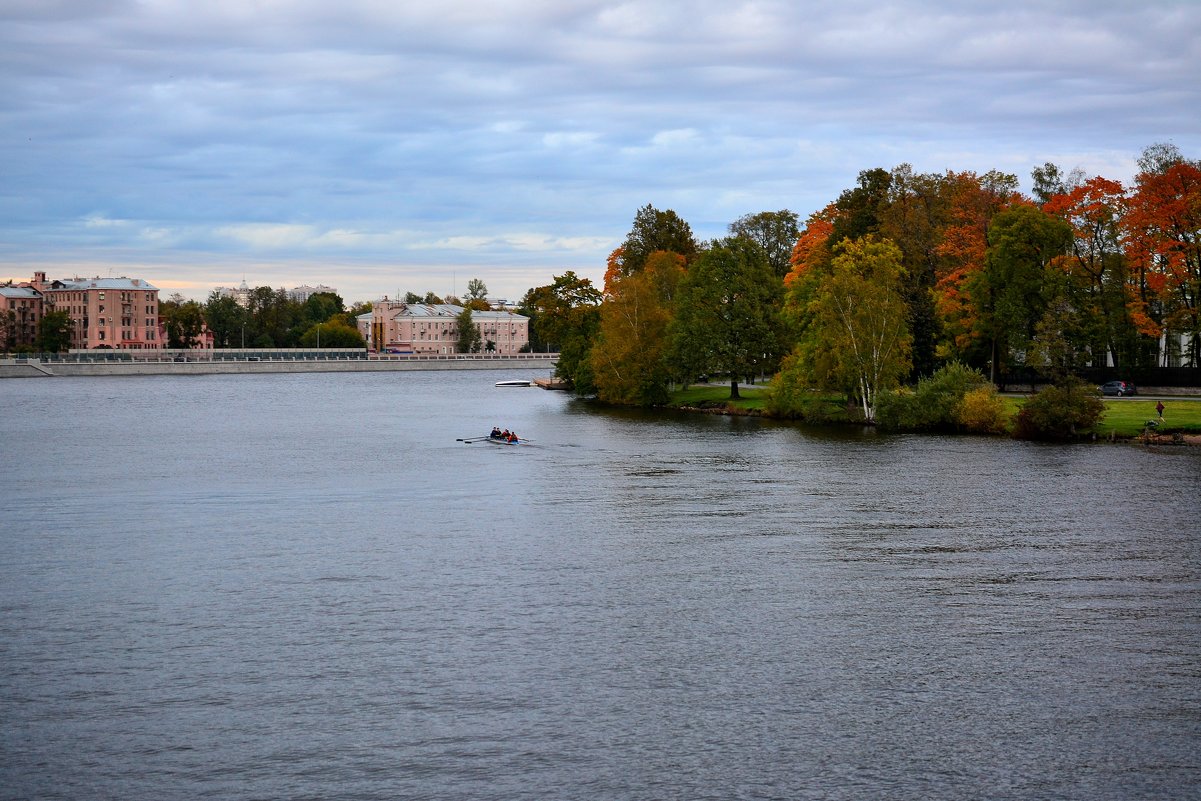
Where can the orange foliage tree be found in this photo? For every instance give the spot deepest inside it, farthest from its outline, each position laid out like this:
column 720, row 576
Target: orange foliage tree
column 1163, row 226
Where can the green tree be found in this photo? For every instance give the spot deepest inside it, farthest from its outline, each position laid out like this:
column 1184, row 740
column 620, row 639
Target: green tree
column 321, row 306
column 859, row 208
column 476, row 289
column 775, row 231
column 226, row 320
column 183, row 322
column 1062, row 411
column 334, row 334
column 727, row 315
column 1010, row 294
column 656, row 230
column 565, row 316
column 470, row 340
column 854, row 331
column 54, row 332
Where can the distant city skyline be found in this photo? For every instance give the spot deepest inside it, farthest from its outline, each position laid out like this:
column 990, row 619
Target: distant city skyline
column 382, row 147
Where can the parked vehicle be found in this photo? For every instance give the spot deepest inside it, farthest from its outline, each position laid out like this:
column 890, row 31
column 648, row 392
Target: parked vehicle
column 1119, row 388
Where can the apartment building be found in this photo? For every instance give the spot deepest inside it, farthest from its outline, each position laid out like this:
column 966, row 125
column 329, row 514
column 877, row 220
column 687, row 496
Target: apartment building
column 433, row 329
column 20, row 313
column 117, row 313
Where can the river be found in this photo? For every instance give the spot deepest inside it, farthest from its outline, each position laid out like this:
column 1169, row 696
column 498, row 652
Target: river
column 305, row 587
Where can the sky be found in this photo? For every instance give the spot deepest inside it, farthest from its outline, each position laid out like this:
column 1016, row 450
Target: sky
column 388, row 146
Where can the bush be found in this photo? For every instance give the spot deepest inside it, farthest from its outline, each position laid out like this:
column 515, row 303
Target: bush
column 982, row 411
column 1065, row 411
column 934, row 404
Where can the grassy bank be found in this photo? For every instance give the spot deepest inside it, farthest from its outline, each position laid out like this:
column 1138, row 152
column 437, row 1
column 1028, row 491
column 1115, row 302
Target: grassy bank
column 1123, row 417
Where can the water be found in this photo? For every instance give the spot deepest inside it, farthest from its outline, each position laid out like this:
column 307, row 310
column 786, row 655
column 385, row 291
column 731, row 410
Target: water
column 303, row 586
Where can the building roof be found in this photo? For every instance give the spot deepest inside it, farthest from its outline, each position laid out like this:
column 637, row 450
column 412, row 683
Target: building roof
column 102, row 283
column 445, row 310
column 19, row 292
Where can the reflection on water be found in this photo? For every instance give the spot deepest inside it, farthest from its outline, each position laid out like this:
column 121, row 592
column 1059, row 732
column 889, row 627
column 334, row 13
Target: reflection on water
column 303, row 586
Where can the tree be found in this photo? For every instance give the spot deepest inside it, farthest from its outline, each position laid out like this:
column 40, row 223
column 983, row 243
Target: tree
column 727, row 314
column 1010, row 295
column 775, row 231
column 470, row 340
column 565, row 315
column 859, row 208
column 655, row 230
column 973, row 202
column 333, row 334
column 628, row 357
column 54, row 332
column 1095, row 266
column 184, row 323
column 321, row 306
column 476, row 290
column 854, row 332
column 1164, row 229
column 226, row 320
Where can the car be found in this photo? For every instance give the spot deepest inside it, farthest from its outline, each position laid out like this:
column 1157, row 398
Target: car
column 1119, row 388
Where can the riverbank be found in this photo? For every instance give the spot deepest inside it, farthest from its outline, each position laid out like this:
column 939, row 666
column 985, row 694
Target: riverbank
column 216, row 364
column 1125, row 418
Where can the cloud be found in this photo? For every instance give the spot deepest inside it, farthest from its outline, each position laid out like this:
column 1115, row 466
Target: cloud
column 524, row 135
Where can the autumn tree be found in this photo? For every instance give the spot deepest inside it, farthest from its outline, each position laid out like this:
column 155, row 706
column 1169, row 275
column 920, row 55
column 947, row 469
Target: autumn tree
column 854, row 331
column 628, row 358
column 1095, row 266
column 727, row 314
column 917, row 213
column 774, row 231
column 1164, row 229
column 973, row 202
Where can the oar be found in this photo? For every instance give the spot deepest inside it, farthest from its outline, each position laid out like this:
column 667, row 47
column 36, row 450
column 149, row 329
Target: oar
column 470, row 440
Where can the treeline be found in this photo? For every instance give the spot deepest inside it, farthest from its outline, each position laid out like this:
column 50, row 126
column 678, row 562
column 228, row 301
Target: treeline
column 271, row 319
column 903, row 274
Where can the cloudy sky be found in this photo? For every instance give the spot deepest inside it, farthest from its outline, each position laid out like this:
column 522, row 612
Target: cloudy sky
column 392, row 145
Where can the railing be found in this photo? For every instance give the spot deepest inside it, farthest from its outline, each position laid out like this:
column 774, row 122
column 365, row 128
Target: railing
column 260, row 355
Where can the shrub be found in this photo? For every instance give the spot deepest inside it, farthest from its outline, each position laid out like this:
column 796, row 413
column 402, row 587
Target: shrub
column 934, row 404
column 1065, row 411
column 982, row 411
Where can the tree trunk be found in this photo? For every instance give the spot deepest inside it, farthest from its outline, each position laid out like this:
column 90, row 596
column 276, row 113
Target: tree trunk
column 734, row 389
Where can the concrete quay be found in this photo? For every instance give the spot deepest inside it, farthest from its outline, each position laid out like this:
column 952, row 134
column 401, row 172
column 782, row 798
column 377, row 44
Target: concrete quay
column 51, row 368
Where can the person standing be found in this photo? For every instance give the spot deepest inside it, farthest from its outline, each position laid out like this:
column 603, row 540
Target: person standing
column 1159, row 410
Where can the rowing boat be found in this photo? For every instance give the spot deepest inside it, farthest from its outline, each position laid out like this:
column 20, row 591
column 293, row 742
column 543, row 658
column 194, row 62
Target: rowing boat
column 500, row 441
column 516, row 382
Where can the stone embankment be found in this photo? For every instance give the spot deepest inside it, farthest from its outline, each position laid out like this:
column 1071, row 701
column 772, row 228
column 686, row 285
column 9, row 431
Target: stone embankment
column 39, row 368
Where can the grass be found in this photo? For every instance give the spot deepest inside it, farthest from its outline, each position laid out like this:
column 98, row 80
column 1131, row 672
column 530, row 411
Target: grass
column 1126, row 418
column 711, row 397
column 1123, row 417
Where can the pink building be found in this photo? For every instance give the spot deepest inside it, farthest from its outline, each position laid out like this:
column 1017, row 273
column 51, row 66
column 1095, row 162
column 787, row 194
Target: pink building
column 20, row 312
column 428, row 329
column 117, row 313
